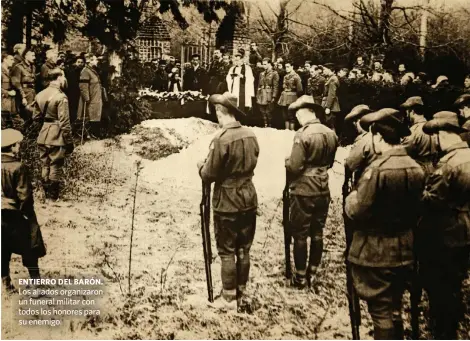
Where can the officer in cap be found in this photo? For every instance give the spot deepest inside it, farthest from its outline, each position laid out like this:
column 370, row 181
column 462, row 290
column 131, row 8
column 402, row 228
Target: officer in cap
column 362, row 152
column 419, row 145
column 313, row 153
column 385, row 205
column 232, row 158
column 55, row 138
column 463, row 104
column 20, row 230
column 447, row 227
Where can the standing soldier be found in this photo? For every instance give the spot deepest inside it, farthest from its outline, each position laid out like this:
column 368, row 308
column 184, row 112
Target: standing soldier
column 291, row 90
column 330, row 97
column 313, row 153
column 232, row 159
column 362, row 152
column 316, row 83
column 10, row 119
column 463, row 104
column 18, row 50
column 419, row 145
column 217, row 72
column 267, row 91
column 447, row 227
column 51, row 63
column 90, row 105
column 23, row 78
column 55, row 138
column 20, row 230
column 384, row 209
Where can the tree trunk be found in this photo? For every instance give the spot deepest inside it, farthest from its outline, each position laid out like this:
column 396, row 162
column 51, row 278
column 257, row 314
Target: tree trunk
column 15, row 25
column 29, row 27
column 423, row 30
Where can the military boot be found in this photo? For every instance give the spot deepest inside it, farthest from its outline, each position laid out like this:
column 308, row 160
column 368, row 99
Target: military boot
column 45, row 186
column 54, row 188
column 399, row 330
column 384, row 334
column 299, row 281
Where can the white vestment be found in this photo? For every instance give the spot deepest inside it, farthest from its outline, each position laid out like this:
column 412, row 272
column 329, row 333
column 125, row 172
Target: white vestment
column 233, row 83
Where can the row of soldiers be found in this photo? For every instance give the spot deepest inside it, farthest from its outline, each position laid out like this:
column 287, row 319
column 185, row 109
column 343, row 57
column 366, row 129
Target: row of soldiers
column 408, row 207
column 20, row 84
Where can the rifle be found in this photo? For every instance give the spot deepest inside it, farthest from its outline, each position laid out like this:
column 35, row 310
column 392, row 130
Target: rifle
column 205, row 212
column 285, row 223
column 353, row 299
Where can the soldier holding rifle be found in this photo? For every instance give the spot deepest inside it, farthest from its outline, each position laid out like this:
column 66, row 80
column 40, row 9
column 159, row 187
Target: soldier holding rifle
column 385, row 210
column 313, row 153
column 230, row 164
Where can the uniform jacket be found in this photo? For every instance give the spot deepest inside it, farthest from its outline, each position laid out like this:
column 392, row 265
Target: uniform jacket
column 195, row 80
column 19, row 222
column 17, row 59
column 466, row 136
column 160, row 81
column 330, row 94
column 254, row 58
column 23, row 78
column 216, row 74
column 90, row 92
column 72, row 74
column 292, row 88
column 313, row 153
column 45, row 69
column 232, row 159
column 361, row 155
column 56, row 130
column 421, row 146
column 8, row 101
column 385, row 209
column 268, row 87
column 447, row 195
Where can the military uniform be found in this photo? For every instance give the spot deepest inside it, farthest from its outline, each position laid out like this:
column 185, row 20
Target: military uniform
column 217, row 73
column 313, row 153
column 23, row 79
column 55, row 135
column 385, row 210
column 420, row 146
column 232, row 159
column 361, row 155
column 20, row 231
column 445, row 232
column 331, row 101
column 91, row 94
column 267, row 93
column 292, row 89
column 44, row 74
column 10, row 119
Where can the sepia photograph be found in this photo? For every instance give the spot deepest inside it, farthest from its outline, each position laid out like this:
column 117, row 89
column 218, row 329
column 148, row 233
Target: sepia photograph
column 235, row 169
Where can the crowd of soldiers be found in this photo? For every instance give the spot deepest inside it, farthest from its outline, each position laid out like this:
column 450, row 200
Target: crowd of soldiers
column 407, row 211
column 408, row 207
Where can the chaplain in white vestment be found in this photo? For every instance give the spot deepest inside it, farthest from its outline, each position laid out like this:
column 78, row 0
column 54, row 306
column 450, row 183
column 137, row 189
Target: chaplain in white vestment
column 240, row 81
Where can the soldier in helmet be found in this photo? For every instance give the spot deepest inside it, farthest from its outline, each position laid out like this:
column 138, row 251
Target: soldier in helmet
column 463, row 104
column 55, row 138
column 312, row 154
column 419, row 145
column 384, row 209
column 20, row 230
column 362, row 152
column 444, row 262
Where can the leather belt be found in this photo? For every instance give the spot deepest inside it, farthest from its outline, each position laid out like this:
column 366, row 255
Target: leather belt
column 312, row 171
column 51, row 120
